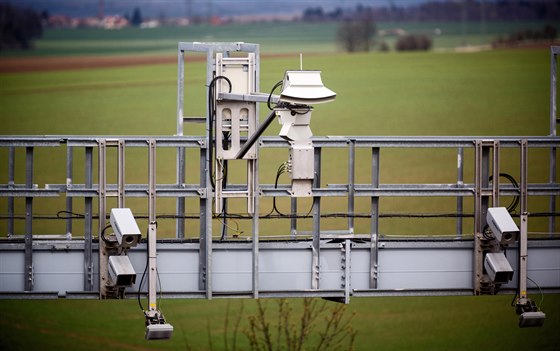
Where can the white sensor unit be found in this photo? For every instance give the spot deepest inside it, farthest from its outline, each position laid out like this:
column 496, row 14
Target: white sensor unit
column 158, row 331
column 121, row 271
column 502, row 225
column 305, row 88
column 532, row 319
column 125, row 227
column 498, row 268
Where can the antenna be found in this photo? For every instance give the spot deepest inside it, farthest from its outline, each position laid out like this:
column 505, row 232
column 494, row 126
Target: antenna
column 301, row 61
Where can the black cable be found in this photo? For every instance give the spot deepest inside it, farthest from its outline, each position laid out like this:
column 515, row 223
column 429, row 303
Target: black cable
column 487, row 234
column 140, row 285
column 281, row 169
column 143, row 275
column 224, row 203
column 325, row 215
column 268, row 102
column 515, row 201
column 160, row 289
column 295, row 107
column 513, row 300
column 69, row 214
column 211, row 115
column 540, row 290
column 102, row 234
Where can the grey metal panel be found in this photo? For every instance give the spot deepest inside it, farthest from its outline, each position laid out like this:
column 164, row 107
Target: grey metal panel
column 420, row 268
column 425, row 269
column 543, row 267
column 285, row 269
column 177, row 269
column 232, row 270
column 59, row 270
column 405, row 268
column 12, row 272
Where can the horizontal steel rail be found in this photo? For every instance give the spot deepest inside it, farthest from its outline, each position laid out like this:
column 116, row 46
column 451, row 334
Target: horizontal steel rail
column 351, row 263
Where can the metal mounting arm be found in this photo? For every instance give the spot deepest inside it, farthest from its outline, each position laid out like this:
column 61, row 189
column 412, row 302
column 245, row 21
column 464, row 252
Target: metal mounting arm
column 249, row 143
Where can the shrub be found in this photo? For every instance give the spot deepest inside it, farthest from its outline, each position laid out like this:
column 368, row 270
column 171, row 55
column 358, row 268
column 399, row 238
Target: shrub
column 414, row 42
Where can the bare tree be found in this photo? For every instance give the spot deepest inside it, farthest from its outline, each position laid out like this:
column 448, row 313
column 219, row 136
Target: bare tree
column 357, row 34
column 318, row 327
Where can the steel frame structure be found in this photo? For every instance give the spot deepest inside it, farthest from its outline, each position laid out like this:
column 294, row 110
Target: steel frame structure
column 333, row 264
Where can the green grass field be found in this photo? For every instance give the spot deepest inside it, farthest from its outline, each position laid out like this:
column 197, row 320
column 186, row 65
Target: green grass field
column 402, row 323
column 485, row 93
column 280, row 37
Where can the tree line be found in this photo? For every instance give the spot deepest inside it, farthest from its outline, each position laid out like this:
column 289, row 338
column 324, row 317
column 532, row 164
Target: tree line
column 18, row 27
column 469, row 10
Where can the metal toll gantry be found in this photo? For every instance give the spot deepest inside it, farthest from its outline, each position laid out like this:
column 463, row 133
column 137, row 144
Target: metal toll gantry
column 308, row 258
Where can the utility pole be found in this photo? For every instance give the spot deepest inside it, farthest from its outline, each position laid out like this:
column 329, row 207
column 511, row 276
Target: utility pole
column 101, row 9
column 464, row 22
column 189, row 9
column 483, row 20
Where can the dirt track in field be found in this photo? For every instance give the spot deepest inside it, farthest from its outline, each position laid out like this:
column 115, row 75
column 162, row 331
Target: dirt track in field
column 37, row 64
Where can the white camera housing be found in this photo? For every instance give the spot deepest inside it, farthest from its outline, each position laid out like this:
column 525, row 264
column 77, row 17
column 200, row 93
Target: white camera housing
column 532, row 319
column 305, row 88
column 125, row 227
column 498, row 268
column 502, row 225
column 121, row 271
column 158, row 331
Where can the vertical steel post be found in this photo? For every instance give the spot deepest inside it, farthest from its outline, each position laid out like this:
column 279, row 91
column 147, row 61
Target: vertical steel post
column 69, row 176
column 29, row 220
column 102, row 193
column 293, row 219
column 152, row 228
column 205, row 221
column 180, row 90
column 120, row 174
column 316, row 244
column 347, row 266
column 255, row 191
column 554, row 51
column 11, row 183
column 522, row 273
column 255, row 223
column 181, row 153
column 181, row 178
column 552, row 178
column 460, row 184
column 374, row 260
column 206, row 251
column 482, row 155
column 351, row 184
column 496, row 174
column 88, row 222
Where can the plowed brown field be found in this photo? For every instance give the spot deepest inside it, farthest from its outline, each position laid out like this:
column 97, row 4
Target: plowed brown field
column 36, row 64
